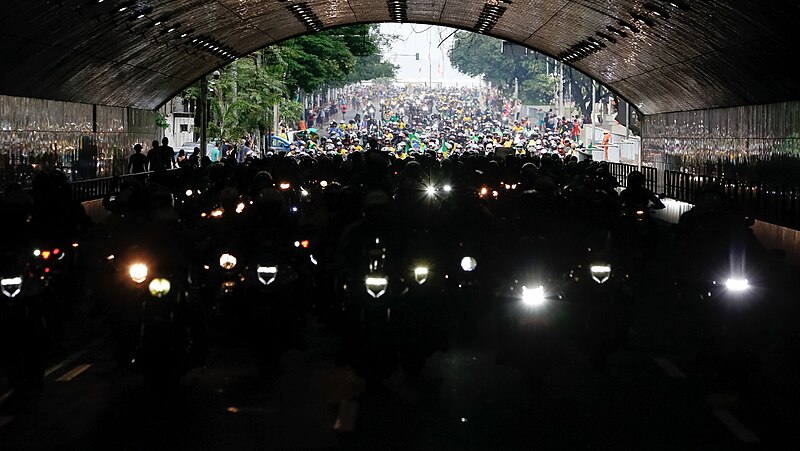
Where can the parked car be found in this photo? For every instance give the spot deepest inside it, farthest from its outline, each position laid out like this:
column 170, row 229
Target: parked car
column 278, row 144
column 188, row 148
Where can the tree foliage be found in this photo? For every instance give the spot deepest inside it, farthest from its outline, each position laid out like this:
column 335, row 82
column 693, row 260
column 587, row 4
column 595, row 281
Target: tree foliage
column 243, row 96
column 480, row 55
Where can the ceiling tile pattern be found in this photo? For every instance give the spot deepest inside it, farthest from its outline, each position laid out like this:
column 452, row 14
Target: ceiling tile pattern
column 661, row 55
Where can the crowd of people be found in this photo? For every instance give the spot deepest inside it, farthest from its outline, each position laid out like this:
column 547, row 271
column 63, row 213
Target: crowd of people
column 446, row 121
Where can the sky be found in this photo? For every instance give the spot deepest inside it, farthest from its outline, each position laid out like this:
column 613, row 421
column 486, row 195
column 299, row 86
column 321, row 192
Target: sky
column 415, row 39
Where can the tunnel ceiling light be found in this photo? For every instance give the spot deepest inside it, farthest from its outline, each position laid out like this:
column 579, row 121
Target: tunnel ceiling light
column 617, row 31
column 489, row 16
column 305, row 14
column 608, row 38
column 680, row 4
column 656, row 10
column 627, row 25
column 398, row 10
column 643, row 19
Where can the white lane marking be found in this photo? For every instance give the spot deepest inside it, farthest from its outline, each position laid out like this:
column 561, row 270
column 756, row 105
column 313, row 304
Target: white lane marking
column 737, row 428
column 74, row 356
column 75, row 372
column 6, row 395
column 5, row 420
column 669, row 367
column 346, row 421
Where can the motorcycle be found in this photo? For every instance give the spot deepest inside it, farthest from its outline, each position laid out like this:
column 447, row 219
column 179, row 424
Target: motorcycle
column 422, row 317
column 162, row 329
column 532, row 315
column 271, row 316
column 598, row 285
column 371, row 294
column 24, row 337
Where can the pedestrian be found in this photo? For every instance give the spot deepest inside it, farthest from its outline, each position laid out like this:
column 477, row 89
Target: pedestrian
column 137, row 162
column 576, row 129
column 194, row 158
column 154, row 157
column 606, row 140
column 242, row 154
column 213, row 153
column 167, row 154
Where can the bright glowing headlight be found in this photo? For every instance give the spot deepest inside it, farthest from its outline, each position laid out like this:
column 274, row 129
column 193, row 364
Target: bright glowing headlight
column 138, row 272
column 736, row 284
column 448, row 188
column 469, row 264
column 11, row 286
column 533, row 297
column 227, row 261
column 376, row 286
column 285, row 185
column 267, row 274
column 159, row 287
column 240, row 207
column 421, row 274
column 431, row 190
column 189, row 193
column 600, row 273
column 323, row 183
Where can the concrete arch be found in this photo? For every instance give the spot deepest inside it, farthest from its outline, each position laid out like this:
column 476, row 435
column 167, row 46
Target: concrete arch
column 661, row 55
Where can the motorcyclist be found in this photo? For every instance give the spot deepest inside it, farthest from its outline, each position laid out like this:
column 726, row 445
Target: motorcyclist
column 636, row 195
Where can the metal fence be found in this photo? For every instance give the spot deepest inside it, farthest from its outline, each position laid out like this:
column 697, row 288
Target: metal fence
column 84, row 190
column 775, row 204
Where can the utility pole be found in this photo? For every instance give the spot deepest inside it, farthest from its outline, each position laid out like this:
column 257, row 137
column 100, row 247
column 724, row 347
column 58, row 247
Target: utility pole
column 591, row 115
column 561, row 89
column 202, row 111
column 430, row 63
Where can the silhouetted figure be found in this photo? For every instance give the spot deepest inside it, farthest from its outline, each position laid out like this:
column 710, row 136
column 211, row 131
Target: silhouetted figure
column 138, row 162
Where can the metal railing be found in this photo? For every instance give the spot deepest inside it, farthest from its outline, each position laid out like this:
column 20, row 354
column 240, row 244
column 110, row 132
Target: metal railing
column 92, row 189
column 776, row 204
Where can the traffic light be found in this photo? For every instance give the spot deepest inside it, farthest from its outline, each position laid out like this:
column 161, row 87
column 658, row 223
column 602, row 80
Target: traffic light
column 417, row 56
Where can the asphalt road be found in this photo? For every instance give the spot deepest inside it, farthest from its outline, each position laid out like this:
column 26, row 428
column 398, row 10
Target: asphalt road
column 651, row 396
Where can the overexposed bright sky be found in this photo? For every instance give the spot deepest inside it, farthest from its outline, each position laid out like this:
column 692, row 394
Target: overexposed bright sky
column 424, row 39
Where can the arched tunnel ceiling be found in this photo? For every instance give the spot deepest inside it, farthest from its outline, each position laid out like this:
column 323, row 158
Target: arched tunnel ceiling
column 660, row 55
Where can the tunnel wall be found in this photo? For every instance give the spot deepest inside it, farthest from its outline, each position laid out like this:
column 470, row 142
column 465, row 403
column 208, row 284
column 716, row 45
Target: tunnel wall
column 84, row 140
column 754, row 142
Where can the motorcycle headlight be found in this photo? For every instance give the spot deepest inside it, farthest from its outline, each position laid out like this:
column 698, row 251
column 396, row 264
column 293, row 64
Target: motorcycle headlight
column 533, row 297
column 421, row 274
column 431, row 190
column 737, row 284
column 227, row 261
column 11, row 286
column 267, row 274
column 600, row 273
column 159, row 287
column 469, row 264
column 138, row 272
column 376, row 286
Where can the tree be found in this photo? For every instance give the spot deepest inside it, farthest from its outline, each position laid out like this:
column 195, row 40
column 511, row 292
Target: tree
column 480, row 55
column 581, row 86
column 243, row 95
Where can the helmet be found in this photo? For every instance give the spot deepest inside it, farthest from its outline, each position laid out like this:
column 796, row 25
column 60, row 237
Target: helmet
column 635, row 179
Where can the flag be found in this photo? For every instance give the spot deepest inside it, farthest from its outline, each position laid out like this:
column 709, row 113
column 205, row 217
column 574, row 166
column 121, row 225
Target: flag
column 444, row 149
